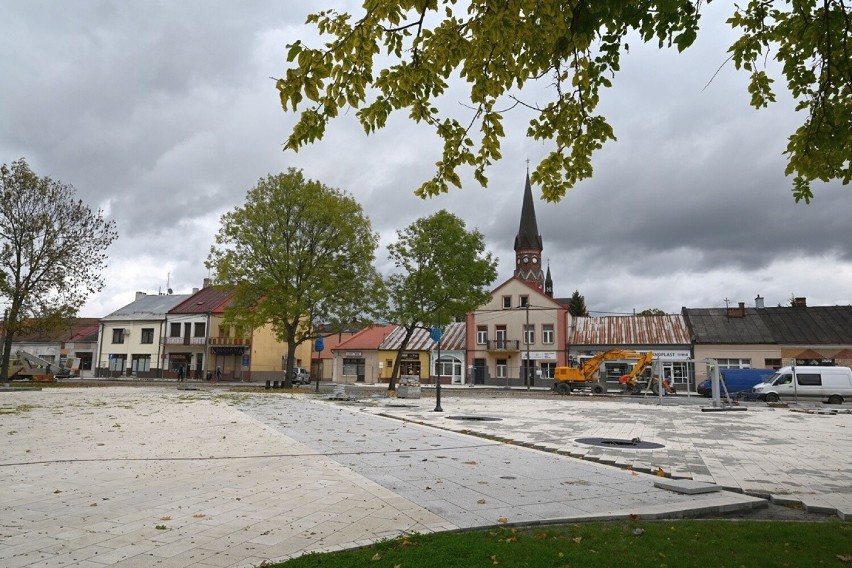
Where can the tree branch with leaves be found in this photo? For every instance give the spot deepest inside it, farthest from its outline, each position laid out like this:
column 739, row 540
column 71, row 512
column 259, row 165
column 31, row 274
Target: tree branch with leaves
column 390, row 59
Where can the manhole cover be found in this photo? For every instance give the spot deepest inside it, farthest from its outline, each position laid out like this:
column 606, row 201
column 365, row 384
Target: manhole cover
column 621, row 444
column 475, row 418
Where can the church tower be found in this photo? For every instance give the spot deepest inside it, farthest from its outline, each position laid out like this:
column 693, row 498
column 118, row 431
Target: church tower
column 528, row 244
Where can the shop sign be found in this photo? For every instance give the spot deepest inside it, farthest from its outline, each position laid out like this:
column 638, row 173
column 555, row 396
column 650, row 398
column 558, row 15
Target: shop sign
column 539, row 355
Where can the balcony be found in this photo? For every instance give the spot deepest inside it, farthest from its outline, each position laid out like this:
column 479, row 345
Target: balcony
column 230, row 341
column 504, row 345
column 184, row 340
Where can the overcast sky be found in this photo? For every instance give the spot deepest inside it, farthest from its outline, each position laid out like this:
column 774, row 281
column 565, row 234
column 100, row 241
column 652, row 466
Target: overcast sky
column 164, row 114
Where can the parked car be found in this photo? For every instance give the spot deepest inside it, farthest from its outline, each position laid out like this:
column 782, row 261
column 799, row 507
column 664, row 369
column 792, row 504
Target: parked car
column 738, row 382
column 301, row 376
column 829, row 384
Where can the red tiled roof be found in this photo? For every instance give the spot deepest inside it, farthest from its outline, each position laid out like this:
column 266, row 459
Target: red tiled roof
column 331, row 342
column 368, row 338
column 212, row 299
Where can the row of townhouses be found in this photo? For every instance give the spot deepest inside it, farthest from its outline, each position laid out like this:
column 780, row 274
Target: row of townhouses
column 517, row 338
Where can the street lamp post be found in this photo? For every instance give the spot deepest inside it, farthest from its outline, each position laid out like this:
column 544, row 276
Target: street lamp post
column 319, row 345
column 436, row 335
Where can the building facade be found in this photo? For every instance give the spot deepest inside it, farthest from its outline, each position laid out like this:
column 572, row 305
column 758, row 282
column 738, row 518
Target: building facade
column 760, row 337
column 356, row 360
column 518, row 337
column 666, row 336
column 130, row 339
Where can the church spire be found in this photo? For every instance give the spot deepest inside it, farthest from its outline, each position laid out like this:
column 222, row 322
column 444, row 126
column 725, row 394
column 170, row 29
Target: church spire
column 528, row 237
column 548, row 282
column 528, row 245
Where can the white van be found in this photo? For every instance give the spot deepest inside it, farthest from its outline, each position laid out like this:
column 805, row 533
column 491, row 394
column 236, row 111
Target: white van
column 830, row 384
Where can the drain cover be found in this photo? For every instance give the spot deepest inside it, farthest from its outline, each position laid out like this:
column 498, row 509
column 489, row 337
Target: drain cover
column 475, row 418
column 621, row 444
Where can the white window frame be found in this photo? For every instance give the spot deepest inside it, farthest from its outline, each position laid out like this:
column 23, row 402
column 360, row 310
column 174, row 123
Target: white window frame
column 502, row 369
column 547, row 334
column 507, row 302
column 529, row 334
column 482, row 335
column 733, row 363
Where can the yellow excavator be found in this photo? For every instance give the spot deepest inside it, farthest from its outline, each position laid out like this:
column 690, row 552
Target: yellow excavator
column 588, row 375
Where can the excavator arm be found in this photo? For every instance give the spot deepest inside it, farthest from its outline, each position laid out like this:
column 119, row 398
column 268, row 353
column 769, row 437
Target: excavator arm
column 589, row 372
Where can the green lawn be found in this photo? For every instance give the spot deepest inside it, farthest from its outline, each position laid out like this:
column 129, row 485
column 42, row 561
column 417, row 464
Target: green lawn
column 702, row 543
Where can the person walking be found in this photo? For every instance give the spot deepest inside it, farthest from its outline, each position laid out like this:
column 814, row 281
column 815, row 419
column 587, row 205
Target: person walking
column 180, row 373
column 218, row 374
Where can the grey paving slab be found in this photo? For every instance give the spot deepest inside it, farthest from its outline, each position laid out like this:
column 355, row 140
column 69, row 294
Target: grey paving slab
column 775, row 452
column 156, row 476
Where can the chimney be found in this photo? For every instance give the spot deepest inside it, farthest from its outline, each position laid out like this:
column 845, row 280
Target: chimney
column 195, row 290
column 800, row 302
column 758, row 302
column 140, row 295
column 207, row 283
column 738, row 312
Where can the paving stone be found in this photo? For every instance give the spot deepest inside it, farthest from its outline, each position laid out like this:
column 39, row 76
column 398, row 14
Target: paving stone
column 312, row 474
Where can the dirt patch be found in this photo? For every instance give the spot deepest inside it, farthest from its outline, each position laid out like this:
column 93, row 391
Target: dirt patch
column 776, row 512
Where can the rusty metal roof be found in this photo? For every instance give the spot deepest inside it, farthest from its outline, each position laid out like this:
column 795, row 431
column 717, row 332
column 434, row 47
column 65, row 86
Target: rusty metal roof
column 629, row 330
column 454, row 339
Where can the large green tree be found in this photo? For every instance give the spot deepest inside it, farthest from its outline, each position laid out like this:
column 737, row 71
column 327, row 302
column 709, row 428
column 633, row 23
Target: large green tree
column 652, row 312
column 52, row 253
column 442, row 272
column 577, row 305
column 403, row 54
column 296, row 254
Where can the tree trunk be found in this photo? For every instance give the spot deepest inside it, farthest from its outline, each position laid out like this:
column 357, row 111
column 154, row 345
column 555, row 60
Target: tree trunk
column 8, row 338
column 409, row 331
column 291, row 357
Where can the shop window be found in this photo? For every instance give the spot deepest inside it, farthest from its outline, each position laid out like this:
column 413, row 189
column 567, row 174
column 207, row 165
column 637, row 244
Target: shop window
column 141, row 363
column 117, row 363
